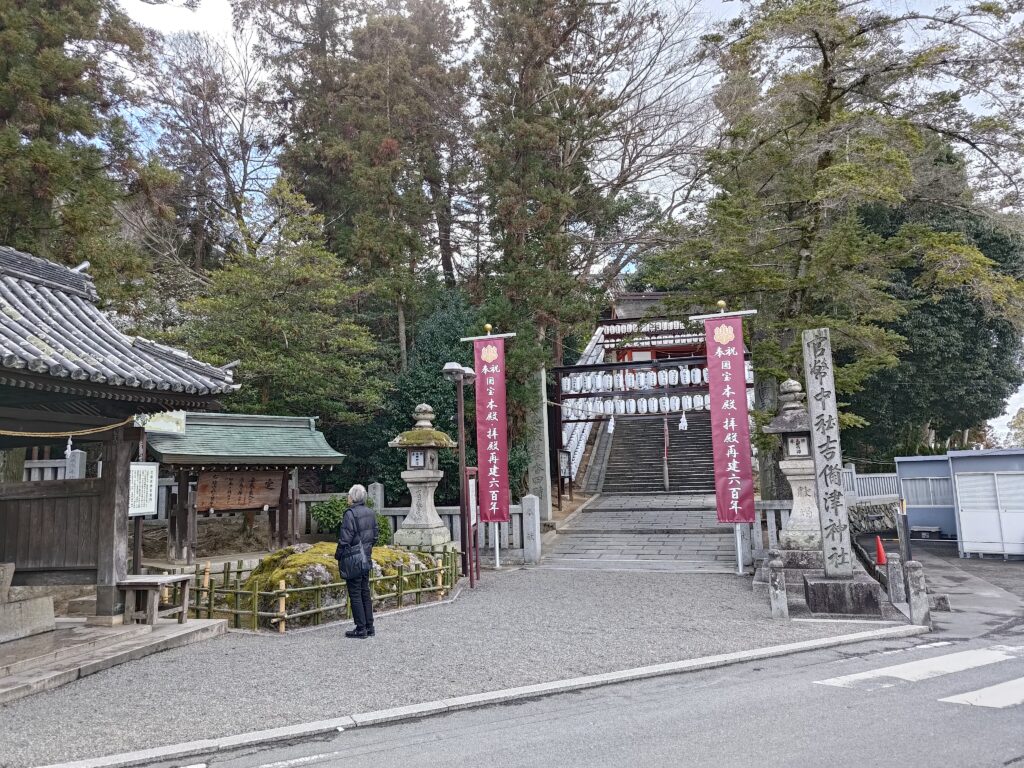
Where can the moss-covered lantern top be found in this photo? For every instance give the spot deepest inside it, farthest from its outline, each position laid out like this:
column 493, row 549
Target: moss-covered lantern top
column 423, row 434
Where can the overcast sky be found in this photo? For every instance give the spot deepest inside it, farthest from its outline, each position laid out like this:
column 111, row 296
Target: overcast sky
column 214, row 16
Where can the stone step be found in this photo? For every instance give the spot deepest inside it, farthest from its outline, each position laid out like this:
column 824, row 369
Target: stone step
column 166, row 634
column 69, row 639
column 659, row 566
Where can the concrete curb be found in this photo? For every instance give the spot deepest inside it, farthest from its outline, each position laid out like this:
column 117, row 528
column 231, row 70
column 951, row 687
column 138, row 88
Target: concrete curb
column 489, row 698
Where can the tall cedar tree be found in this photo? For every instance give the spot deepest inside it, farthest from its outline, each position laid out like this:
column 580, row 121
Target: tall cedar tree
column 65, row 151
column 589, row 125
column 377, row 121
column 828, row 106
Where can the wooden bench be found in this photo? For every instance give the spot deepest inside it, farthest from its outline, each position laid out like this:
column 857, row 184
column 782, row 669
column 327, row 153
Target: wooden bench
column 152, row 585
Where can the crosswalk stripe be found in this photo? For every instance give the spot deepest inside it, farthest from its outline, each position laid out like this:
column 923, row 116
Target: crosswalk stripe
column 923, row 669
column 1008, row 694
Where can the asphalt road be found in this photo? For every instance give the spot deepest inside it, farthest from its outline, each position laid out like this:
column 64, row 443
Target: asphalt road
column 873, row 704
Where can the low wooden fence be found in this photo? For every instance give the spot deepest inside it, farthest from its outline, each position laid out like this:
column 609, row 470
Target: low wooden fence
column 221, row 593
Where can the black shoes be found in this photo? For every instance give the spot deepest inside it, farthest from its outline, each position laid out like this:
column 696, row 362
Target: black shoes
column 360, row 634
column 371, row 632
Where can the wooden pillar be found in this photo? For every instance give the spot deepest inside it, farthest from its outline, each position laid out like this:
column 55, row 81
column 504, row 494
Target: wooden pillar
column 282, row 511
column 112, row 526
column 177, row 538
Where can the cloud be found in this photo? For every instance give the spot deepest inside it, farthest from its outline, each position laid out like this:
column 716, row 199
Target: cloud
column 212, row 16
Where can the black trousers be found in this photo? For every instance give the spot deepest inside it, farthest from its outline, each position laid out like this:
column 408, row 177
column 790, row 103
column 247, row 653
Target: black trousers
column 359, row 599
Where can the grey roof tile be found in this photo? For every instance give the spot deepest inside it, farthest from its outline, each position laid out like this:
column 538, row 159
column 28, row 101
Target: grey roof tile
column 50, row 324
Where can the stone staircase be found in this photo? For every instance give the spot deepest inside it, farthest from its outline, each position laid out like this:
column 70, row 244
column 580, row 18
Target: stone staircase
column 634, row 463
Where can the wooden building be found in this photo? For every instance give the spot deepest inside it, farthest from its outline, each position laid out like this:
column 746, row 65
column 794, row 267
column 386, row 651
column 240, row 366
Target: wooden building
column 239, row 462
column 67, row 371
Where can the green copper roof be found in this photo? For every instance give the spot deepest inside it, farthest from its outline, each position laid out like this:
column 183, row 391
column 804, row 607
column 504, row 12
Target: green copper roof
column 235, row 438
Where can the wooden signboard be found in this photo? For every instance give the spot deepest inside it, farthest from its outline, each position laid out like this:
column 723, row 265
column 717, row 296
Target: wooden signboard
column 238, row 490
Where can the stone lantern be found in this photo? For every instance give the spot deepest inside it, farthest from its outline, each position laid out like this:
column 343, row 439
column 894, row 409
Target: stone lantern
column 423, row 529
column 793, row 425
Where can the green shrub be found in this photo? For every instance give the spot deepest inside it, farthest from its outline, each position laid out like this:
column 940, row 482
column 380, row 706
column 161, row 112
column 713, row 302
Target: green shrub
column 384, row 532
column 329, row 514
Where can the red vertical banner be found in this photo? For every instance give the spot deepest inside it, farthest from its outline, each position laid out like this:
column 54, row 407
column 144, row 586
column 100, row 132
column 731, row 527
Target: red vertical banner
column 491, row 429
column 730, row 423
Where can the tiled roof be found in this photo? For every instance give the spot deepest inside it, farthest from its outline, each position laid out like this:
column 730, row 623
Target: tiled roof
column 50, row 325
column 235, row 438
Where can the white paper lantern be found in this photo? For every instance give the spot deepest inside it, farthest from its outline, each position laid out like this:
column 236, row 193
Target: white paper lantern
column 684, row 375
column 608, row 381
column 662, row 377
column 652, row 404
column 673, row 377
column 566, row 383
column 609, row 406
column 630, row 380
column 698, row 403
column 687, row 402
column 749, row 370
column 674, row 403
column 663, row 403
column 620, row 406
column 631, row 406
column 641, row 405
column 619, row 381
column 652, row 380
column 704, row 376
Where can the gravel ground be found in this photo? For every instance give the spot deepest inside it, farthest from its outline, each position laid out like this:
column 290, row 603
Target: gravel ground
column 518, row 627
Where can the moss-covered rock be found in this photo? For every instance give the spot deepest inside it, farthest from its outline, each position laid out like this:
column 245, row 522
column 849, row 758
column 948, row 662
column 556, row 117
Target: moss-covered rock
column 423, row 438
column 309, row 565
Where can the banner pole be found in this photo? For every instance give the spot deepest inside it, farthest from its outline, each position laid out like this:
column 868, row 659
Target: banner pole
column 497, row 555
column 740, row 571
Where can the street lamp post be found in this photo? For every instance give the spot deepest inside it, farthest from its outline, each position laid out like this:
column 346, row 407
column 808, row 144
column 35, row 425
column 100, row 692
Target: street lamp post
column 460, row 376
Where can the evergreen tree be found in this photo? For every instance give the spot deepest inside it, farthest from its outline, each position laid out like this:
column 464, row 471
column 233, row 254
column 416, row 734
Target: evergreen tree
column 285, row 314
column 65, row 150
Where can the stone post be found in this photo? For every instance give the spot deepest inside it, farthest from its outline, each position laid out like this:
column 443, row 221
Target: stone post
column 539, row 469
column 6, row 576
column 777, row 586
column 74, row 465
column 828, row 458
column 920, row 612
column 894, row 575
column 376, row 492
column 531, row 529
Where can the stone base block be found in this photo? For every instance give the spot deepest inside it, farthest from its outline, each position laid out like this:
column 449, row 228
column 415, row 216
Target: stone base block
column 105, row 621
column 422, row 538
column 26, row 618
column 800, row 558
column 857, row 596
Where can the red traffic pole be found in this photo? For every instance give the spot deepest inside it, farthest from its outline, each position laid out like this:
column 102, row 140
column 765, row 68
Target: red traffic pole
column 880, row 557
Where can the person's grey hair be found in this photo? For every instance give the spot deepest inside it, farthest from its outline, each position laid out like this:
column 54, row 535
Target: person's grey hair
column 356, row 494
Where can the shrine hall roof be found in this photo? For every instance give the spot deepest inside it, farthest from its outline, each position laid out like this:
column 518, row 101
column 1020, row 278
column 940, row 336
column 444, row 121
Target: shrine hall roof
column 241, row 439
column 51, row 326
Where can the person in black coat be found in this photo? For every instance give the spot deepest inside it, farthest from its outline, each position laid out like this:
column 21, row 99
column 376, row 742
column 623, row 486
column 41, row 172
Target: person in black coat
column 359, row 525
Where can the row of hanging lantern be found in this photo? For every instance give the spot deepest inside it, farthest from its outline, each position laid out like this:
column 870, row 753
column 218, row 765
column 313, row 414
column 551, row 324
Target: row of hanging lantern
column 640, row 406
column 651, row 326
column 624, row 381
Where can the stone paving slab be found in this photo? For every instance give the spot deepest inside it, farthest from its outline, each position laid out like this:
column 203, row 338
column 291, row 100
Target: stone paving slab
column 518, row 627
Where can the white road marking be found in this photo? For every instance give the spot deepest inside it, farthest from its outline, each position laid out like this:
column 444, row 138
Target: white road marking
column 938, row 644
column 303, row 760
column 914, row 671
column 1008, row 694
